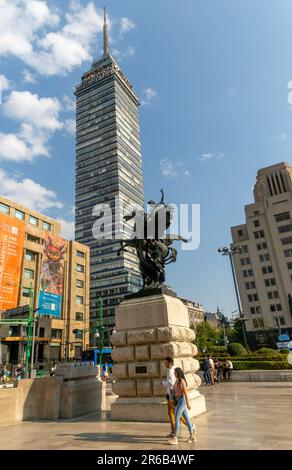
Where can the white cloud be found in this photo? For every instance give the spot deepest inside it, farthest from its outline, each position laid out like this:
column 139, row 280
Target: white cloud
column 211, row 156
column 39, row 118
column 148, row 96
column 20, row 20
column 231, row 92
column 69, row 104
column 28, row 77
column 120, row 55
column 4, row 83
column 126, row 25
column 13, row 148
column 70, row 126
column 40, row 112
column 68, row 229
column 55, row 52
column 28, row 192
column 281, row 136
column 167, row 168
column 173, row 169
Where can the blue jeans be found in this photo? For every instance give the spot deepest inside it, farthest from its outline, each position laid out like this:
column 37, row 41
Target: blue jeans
column 207, row 376
column 182, row 410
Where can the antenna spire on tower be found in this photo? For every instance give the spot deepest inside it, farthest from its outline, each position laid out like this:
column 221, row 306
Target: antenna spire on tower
column 105, row 34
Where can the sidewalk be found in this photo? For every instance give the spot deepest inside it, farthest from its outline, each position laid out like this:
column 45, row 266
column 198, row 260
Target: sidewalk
column 239, row 416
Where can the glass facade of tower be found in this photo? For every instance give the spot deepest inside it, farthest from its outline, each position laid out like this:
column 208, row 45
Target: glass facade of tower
column 108, row 165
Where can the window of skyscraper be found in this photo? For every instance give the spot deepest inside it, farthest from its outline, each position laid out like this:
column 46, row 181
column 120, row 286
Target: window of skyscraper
column 282, row 216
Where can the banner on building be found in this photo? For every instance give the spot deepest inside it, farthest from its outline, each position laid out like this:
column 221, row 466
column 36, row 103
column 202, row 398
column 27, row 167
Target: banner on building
column 52, row 275
column 12, row 232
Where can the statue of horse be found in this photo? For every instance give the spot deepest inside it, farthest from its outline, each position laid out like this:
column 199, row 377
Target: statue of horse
column 154, row 251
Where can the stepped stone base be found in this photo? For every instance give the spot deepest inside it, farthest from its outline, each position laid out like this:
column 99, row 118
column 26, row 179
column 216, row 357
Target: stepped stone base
column 152, row 409
column 149, row 329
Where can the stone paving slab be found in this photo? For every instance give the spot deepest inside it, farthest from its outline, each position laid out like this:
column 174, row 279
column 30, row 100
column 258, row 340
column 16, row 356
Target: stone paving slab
column 241, row 416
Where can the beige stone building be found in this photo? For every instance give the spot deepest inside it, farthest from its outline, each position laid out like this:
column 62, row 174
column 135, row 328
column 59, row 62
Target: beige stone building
column 263, row 258
column 195, row 310
column 54, row 337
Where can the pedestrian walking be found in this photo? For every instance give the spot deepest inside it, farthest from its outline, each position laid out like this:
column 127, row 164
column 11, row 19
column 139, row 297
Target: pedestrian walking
column 228, row 367
column 207, row 372
column 169, row 383
column 218, row 370
column 182, row 406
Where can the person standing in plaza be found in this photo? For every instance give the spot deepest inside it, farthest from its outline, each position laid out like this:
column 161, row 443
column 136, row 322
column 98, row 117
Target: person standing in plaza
column 5, row 374
column 169, row 383
column 53, row 370
column 105, row 373
column 228, row 367
column 218, row 370
column 19, row 372
column 206, row 369
column 212, row 369
column 182, row 406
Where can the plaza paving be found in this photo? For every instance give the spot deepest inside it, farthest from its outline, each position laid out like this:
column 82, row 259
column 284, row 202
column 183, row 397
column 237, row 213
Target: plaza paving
column 240, row 416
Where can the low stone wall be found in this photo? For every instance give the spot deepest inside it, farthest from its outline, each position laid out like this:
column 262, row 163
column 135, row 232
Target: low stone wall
column 259, row 375
column 75, row 391
column 81, row 393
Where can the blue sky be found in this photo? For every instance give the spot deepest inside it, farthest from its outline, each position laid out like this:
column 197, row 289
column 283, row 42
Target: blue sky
column 213, row 79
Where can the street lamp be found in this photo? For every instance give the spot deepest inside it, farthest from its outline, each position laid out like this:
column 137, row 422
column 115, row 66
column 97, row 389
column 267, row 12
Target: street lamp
column 230, row 252
column 97, row 330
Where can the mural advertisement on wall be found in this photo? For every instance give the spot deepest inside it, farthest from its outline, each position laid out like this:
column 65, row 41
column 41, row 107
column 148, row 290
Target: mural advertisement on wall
column 52, row 275
column 12, row 232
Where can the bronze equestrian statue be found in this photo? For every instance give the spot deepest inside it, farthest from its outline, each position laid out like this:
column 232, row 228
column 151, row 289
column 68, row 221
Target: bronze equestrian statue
column 154, row 252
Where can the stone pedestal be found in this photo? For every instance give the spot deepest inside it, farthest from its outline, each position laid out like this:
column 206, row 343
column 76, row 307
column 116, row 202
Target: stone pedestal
column 149, row 329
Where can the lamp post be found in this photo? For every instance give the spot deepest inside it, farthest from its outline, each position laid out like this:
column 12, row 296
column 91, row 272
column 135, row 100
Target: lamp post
column 97, row 330
column 230, row 252
column 30, row 330
column 100, row 330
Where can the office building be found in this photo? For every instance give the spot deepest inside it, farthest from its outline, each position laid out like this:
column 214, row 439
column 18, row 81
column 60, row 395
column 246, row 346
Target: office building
column 108, row 166
column 263, row 258
column 37, row 263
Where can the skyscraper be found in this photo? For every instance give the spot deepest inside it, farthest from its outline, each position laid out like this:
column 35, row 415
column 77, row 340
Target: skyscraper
column 263, row 262
column 108, row 164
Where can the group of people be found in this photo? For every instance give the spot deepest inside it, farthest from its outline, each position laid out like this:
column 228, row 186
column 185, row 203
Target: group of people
column 6, row 375
column 178, row 402
column 216, row 371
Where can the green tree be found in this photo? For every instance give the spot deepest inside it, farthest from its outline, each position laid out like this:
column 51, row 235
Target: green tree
column 207, row 336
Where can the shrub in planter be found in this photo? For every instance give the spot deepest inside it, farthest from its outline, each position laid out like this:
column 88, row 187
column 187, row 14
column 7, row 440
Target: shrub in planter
column 262, row 357
column 266, row 351
column 218, row 349
column 261, row 365
column 236, row 349
column 284, row 351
